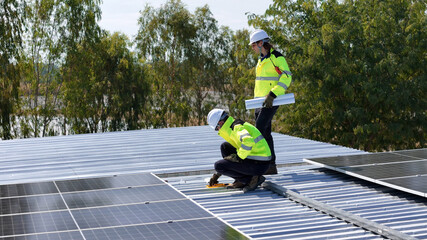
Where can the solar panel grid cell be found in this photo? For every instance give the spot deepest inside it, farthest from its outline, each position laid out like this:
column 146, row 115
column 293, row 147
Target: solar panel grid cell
column 394, row 170
column 403, row 170
column 137, row 214
column 364, row 159
column 418, row 153
column 29, row 204
column 121, row 196
column 107, row 182
column 16, row 190
column 70, row 235
column 210, row 228
column 36, row 223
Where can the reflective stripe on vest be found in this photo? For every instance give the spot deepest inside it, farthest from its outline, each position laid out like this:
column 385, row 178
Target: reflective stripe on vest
column 282, row 85
column 259, row 158
column 259, row 138
column 244, row 135
column 247, row 148
column 287, row 73
column 268, row 78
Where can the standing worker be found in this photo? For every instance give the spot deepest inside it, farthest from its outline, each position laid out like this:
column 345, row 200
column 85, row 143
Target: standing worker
column 272, row 79
column 246, row 153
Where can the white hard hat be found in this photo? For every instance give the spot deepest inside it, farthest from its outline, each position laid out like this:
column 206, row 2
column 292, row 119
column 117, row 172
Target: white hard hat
column 258, row 35
column 214, row 116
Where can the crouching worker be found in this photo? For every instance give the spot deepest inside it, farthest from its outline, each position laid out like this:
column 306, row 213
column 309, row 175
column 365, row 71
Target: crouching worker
column 246, row 155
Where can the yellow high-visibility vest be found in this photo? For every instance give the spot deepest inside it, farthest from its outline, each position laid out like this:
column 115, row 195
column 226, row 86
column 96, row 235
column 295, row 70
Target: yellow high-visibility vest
column 268, row 79
column 247, row 140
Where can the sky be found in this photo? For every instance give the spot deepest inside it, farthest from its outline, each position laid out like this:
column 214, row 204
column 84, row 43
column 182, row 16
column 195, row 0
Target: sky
column 122, row 16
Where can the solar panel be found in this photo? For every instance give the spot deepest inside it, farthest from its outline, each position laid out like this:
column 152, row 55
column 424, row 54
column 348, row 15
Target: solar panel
column 41, row 203
column 404, row 170
column 36, row 223
column 107, row 182
column 363, row 159
column 419, row 153
column 71, row 235
column 15, row 190
column 138, row 213
column 393, row 170
column 417, row 183
column 210, row 228
column 137, row 206
column 120, row 196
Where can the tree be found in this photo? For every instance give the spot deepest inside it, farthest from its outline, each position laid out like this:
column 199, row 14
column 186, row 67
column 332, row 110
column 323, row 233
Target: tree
column 12, row 23
column 43, row 57
column 108, row 90
column 241, row 75
column 359, row 70
column 126, row 83
column 79, row 32
column 205, row 66
column 163, row 38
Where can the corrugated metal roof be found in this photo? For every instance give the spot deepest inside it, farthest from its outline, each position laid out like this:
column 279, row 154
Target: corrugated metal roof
column 154, row 150
column 193, row 150
column 263, row 214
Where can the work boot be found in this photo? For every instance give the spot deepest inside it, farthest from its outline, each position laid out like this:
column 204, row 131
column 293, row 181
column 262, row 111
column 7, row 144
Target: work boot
column 254, row 183
column 236, row 185
column 272, row 169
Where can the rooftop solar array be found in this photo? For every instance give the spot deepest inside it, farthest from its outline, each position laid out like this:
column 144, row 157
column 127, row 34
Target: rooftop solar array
column 137, row 206
column 404, row 170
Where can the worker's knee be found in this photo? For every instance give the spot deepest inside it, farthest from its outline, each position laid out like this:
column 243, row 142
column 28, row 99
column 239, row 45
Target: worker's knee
column 218, row 166
column 221, row 166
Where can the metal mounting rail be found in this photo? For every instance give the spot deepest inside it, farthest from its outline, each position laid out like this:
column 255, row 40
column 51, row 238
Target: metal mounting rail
column 338, row 213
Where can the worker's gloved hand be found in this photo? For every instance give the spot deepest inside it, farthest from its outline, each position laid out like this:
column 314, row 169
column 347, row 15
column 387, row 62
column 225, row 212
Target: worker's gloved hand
column 214, row 179
column 268, row 102
column 232, row 158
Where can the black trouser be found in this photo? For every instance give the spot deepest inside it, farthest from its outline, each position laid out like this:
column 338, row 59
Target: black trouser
column 263, row 117
column 242, row 171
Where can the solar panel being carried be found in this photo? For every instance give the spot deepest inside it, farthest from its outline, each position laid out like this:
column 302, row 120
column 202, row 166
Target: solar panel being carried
column 403, row 170
column 137, row 206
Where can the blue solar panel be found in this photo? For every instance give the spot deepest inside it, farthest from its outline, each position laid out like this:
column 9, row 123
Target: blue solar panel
column 15, row 190
column 69, row 235
column 210, row 228
column 36, row 223
column 137, row 206
column 40, row 203
column 138, row 214
column 107, row 182
column 403, row 170
column 108, row 197
column 418, row 153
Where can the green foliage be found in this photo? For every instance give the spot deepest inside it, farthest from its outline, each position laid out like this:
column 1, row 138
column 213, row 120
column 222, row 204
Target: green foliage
column 107, row 91
column 12, row 19
column 163, row 38
column 359, row 68
column 187, row 55
column 42, row 81
column 206, row 64
column 241, row 75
